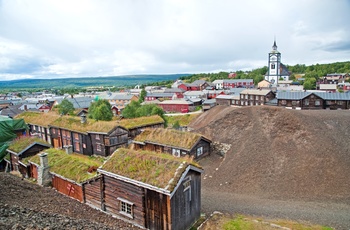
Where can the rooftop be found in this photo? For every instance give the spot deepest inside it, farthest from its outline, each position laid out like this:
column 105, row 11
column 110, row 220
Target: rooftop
column 169, row 137
column 38, row 118
column 156, row 169
column 20, row 144
column 73, row 166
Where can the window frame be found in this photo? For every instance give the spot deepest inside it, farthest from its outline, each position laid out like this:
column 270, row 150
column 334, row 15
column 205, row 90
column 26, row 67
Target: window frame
column 126, row 207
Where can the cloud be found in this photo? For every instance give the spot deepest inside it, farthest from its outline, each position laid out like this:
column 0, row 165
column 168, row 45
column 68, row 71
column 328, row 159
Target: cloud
column 63, row 38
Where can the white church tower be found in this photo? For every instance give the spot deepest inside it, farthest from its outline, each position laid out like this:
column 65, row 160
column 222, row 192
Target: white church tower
column 276, row 70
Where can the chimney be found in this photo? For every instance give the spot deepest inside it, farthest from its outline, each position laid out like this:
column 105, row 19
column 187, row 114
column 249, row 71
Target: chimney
column 44, row 177
column 83, row 118
column 68, row 148
column 25, row 107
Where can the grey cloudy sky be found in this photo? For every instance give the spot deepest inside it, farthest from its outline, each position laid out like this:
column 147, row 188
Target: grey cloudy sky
column 72, row 38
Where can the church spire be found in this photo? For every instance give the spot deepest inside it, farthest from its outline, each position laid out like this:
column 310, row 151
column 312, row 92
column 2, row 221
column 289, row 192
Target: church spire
column 274, row 47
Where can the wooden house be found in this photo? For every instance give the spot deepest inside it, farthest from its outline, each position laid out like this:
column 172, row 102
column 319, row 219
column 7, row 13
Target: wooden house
column 22, row 148
column 189, row 87
column 88, row 137
column 174, row 142
column 39, row 124
column 177, row 106
column 256, row 96
column 227, row 99
column 156, row 191
column 68, row 172
column 238, row 83
column 137, row 125
column 314, row 100
column 208, row 104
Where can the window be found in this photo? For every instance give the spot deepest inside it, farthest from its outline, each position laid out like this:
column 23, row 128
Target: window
column 317, row 103
column 97, row 136
column 284, row 102
column 199, row 151
column 306, row 102
column 187, row 183
column 340, row 102
column 294, row 103
column 126, row 207
column 273, row 66
column 77, row 146
column 98, row 147
column 187, row 190
column 76, row 136
column 176, row 152
column 54, row 131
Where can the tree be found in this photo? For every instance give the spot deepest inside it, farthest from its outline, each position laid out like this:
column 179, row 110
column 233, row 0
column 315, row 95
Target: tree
column 130, row 110
column 101, row 110
column 309, row 83
column 65, row 107
column 143, row 94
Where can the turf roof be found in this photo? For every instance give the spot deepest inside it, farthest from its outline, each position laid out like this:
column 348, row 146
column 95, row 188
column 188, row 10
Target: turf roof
column 140, row 121
column 38, row 118
column 152, row 168
column 170, row 137
column 22, row 143
column 71, row 166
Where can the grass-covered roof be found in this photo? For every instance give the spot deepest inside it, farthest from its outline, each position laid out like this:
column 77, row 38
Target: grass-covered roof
column 73, row 166
column 38, row 118
column 169, row 137
column 74, row 123
column 152, row 168
column 22, row 143
column 140, row 121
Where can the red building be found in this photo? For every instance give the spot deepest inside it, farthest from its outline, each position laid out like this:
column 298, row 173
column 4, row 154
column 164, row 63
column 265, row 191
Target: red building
column 238, row 83
column 177, row 106
column 189, row 87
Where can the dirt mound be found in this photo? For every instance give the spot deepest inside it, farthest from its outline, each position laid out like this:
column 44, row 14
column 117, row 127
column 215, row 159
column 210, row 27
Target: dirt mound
column 278, row 153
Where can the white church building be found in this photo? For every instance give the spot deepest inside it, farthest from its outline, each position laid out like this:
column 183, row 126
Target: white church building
column 276, row 70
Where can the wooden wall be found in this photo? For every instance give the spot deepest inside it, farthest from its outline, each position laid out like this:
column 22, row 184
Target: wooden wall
column 186, row 205
column 114, row 189
column 158, row 210
column 92, row 192
column 68, row 188
column 33, row 171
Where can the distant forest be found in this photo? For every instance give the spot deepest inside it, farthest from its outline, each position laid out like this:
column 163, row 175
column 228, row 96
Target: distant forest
column 71, row 85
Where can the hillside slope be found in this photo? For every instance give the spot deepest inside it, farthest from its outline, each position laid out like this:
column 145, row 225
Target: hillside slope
column 278, row 153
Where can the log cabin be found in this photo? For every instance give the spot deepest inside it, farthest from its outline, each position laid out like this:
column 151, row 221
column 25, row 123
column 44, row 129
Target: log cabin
column 88, row 136
column 137, row 125
column 175, row 142
column 314, row 100
column 38, row 123
column 67, row 172
column 23, row 148
column 156, row 191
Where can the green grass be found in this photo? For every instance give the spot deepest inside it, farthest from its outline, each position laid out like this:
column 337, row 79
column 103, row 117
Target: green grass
column 238, row 224
column 183, row 120
column 20, row 144
column 73, row 166
column 149, row 167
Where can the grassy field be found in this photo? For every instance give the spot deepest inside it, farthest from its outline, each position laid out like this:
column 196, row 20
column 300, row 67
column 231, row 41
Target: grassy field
column 240, row 222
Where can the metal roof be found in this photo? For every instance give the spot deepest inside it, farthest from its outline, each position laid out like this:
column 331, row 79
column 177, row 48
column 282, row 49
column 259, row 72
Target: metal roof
column 292, row 95
column 256, row 91
column 323, row 95
column 237, row 80
column 333, row 96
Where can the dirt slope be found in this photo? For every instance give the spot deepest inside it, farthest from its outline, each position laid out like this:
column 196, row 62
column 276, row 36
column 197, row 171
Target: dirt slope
column 278, row 153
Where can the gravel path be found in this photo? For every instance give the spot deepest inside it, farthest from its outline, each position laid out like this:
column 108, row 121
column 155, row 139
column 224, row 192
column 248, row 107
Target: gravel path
column 328, row 214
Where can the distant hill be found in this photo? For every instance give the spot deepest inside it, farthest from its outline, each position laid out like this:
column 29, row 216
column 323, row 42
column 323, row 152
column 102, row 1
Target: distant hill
column 278, row 153
column 117, row 81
